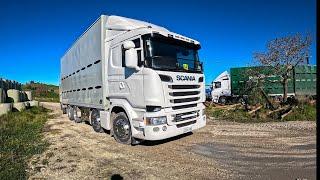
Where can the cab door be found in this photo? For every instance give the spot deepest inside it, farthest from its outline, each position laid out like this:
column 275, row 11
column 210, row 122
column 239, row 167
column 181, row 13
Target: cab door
column 125, row 83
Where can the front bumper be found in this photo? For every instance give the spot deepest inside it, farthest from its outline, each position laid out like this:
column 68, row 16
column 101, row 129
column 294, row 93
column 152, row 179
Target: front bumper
column 171, row 128
column 166, row 131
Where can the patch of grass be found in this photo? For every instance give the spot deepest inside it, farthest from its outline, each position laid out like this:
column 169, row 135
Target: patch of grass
column 47, row 99
column 304, row 112
column 20, row 138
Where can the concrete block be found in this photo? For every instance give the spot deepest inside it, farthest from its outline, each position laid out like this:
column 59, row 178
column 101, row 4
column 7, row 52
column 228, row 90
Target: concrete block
column 34, row 103
column 13, row 95
column 29, row 95
column 27, row 104
column 20, row 106
column 5, row 108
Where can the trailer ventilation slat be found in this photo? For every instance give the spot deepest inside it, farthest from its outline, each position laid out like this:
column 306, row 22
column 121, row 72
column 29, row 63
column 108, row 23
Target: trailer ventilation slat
column 96, row 62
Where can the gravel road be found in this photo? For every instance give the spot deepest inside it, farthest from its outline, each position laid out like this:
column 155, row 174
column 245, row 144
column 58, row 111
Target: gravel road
column 221, row 150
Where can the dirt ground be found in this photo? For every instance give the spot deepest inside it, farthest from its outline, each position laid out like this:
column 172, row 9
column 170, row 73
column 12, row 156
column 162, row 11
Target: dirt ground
column 221, row 150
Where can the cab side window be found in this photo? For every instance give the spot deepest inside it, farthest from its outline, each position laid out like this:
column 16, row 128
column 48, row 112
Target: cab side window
column 115, row 56
column 217, row 85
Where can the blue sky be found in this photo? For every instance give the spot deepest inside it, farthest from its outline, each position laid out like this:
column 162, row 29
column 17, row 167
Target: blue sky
column 34, row 34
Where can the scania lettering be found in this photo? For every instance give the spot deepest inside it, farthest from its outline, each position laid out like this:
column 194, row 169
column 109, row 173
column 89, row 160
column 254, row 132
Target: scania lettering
column 186, row 78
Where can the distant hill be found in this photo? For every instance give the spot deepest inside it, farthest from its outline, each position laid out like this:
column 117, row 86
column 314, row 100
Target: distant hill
column 42, row 91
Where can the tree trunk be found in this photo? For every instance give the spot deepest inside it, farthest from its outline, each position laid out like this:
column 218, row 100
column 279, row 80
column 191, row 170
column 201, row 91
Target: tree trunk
column 285, row 89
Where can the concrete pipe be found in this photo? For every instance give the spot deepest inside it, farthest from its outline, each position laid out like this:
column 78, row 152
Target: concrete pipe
column 34, row 103
column 5, row 108
column 20, row 106
column 13, row 95
column 29, row 95
column 2, row 96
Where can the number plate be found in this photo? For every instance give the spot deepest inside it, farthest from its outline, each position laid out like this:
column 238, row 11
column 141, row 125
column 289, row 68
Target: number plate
column 187, row 129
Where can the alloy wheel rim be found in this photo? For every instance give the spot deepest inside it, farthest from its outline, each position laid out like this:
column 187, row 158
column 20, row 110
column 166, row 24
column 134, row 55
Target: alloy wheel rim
column 122, row 129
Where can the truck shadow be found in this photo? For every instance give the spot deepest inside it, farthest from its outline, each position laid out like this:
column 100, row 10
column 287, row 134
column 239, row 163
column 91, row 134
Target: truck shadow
column 154, row 143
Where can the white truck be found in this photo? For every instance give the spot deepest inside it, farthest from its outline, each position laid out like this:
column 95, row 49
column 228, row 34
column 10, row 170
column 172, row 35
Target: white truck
column 135, row 79
column 221, row 88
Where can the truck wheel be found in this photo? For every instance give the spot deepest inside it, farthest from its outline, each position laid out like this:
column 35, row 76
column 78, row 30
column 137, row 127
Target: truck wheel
column 76, row 114
column 64, row 110
column 222, row 100
column 70, row 113
column 121, row 128
column 95, row 121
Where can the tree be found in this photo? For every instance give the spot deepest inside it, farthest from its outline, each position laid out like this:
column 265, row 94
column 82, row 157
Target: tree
column 283, row 54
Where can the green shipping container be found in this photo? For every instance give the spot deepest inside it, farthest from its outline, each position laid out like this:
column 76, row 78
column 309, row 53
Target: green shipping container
column 302, row 80
column 305, row 80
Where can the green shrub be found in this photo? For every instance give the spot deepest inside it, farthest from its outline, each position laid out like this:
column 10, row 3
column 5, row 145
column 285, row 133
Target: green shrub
column 303, row 112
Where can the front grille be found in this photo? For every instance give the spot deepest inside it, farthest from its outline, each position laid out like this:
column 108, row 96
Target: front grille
column 184, row 100
column 179, row 117
column 186, row 124
column 184, row 86
column 187, row 93
column 184, row 106
column 176, row 91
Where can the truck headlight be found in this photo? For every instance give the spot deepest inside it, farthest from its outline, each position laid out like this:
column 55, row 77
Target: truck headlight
column 156, row 120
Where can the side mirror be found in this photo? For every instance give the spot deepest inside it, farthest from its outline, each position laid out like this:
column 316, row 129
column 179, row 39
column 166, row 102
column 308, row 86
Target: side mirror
column 131, row 55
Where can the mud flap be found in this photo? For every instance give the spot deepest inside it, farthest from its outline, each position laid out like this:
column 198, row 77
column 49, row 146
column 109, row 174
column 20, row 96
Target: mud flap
column 105, row 120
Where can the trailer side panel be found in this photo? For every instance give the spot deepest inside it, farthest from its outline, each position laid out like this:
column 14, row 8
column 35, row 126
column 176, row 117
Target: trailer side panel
column 81, row 70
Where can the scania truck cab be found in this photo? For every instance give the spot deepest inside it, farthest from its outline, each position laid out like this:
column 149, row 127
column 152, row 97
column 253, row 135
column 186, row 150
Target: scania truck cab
column 136, row 79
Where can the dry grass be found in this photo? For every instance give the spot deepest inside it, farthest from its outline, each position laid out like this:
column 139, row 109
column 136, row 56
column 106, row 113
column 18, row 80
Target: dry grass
column 20, row 138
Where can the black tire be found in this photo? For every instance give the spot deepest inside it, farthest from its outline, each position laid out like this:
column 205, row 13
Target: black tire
column 76, row 116
column 121, row 128
column 95, row 121
column 70, row 113
column 64, row 110
column 222, row 100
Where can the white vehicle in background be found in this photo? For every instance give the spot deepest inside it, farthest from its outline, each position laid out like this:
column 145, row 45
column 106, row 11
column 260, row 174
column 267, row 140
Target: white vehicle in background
column 136, row 79
column 221, row 88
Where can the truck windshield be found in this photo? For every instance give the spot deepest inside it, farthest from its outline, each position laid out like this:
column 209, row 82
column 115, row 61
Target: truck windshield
column 170, row 56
